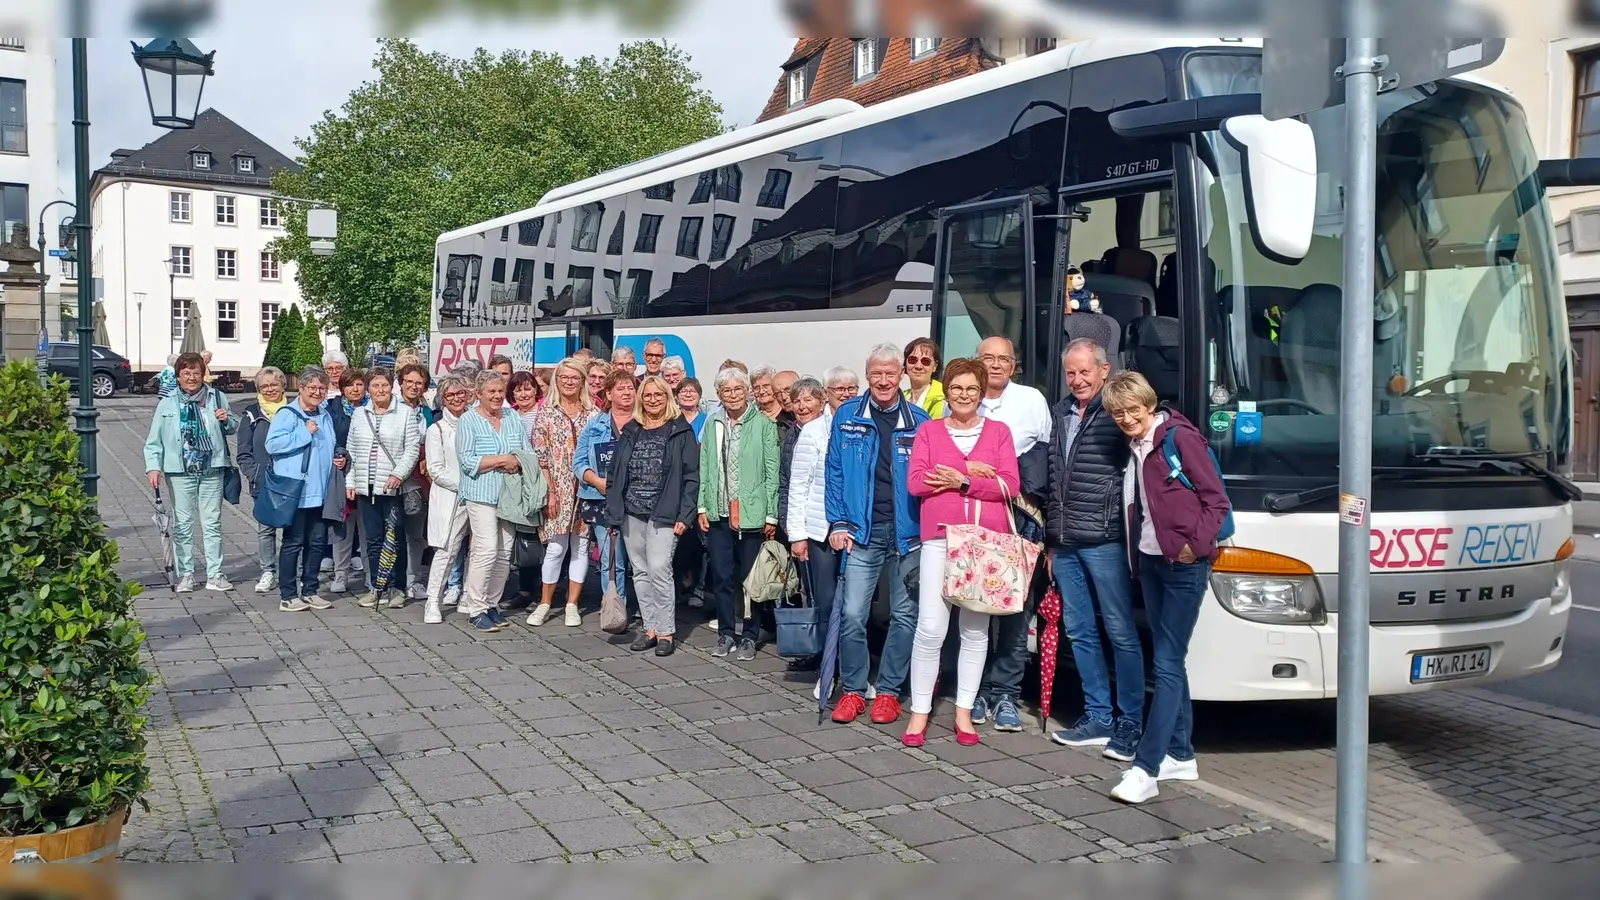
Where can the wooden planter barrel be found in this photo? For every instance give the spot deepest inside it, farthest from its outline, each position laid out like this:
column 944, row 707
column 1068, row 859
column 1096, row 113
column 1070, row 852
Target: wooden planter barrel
column 97, row 842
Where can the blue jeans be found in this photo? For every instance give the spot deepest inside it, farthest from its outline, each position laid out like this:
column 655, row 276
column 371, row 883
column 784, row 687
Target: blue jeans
column 861, row 569
column 374, row 511
column 614, row 564
column 1008, row 654
column 301, row 550
column 454, row 581
column 1106, row 567
column 1173, row 593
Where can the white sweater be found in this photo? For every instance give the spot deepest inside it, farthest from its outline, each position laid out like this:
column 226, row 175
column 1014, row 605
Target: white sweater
column 399, row 436
column 445, row 472
column 808, row 482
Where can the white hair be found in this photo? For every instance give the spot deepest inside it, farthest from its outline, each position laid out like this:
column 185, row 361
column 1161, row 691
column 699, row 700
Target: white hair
column 656, row 342
column 271, row 373
column 840, row 375
column 886, row 352
column 673, row 364
column 623, row 351
column 760, row 372
column 335, row 356
column 1090, row 344
column 732, row 375
column 172, row 360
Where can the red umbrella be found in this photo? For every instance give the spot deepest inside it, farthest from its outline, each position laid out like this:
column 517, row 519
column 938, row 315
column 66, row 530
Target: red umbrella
column 1049, row 643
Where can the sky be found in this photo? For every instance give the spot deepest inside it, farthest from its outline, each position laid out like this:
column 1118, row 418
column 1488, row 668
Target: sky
column 281, row 64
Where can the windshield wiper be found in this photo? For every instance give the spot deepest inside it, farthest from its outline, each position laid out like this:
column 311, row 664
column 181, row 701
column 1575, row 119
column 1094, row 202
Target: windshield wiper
column 1528, row 461
column 1284, row 501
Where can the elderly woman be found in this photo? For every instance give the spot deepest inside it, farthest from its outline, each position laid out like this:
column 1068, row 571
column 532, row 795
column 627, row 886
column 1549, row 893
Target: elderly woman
column 596, row 447
column 167, row 378
column 188, row 448
column 301, row 439
column 447, row 518
column 625, row 358
column 486, row 441
column 335, row 364
column 765, row 394
column 346, row 394
column 672, row 369
column 688, row 396
column 738, row 503
column 385, row 443
column 253, row 462
column 555, row 440
column 922, row 371
column 413, row 380
column 595, row 373
column 843, row 386
column 802, row 466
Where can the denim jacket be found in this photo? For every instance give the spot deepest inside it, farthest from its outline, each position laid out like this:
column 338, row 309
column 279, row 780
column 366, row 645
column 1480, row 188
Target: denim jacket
column 601, row 428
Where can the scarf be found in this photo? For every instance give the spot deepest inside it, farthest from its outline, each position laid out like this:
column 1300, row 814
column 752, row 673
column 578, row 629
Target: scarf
column 192, row 429
column 270, row 409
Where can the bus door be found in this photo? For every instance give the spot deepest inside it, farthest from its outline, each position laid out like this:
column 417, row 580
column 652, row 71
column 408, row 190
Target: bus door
column 983, row 279
column 595, row 333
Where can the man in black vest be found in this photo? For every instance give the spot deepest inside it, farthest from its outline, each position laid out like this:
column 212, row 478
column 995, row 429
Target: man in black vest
column 1084, row 520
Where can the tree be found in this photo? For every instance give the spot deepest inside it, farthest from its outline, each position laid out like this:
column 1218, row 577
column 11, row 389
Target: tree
column 280, row 346
column 646, row 15
column 308, row 344
column 436, row 143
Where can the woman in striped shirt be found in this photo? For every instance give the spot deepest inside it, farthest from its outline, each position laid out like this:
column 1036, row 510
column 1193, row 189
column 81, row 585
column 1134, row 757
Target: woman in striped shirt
column 485, row 440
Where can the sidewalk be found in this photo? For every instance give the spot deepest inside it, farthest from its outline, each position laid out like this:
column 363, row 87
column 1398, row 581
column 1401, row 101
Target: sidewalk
column 358, row 735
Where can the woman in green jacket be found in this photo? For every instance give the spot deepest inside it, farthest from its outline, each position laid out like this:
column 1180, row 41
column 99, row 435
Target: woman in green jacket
column 188, row 448
column 738, row 502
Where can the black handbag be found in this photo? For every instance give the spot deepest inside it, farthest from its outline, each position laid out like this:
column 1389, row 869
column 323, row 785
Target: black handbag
column 527, row 551
column 799, row 628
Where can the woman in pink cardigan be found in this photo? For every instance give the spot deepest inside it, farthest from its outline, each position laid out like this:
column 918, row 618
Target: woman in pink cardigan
column 963, row 467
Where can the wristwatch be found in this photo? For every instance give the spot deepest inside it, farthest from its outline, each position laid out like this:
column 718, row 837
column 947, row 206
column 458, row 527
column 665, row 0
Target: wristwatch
column 966, row 485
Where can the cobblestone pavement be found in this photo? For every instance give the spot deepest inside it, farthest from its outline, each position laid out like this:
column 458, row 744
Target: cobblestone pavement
column 359, row 735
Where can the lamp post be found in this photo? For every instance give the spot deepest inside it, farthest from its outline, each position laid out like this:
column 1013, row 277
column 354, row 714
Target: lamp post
column 175, row 73
column 44, row 279
column 172, row 300
column 138, row 304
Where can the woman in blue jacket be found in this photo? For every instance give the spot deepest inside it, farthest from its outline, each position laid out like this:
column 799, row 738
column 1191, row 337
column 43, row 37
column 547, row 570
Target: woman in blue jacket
column 302, row 439
column 599, row 439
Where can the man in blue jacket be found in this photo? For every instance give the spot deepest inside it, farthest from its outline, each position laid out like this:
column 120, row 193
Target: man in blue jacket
column 873, row 520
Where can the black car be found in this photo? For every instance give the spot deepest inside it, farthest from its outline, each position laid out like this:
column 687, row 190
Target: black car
column 112, row 372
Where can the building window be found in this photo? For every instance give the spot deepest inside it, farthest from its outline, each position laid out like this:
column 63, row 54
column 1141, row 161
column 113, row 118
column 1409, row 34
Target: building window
column 614, row 243
column 689, row 237
column 227, row 264
column 921, row 47
column 13, row 116
column 775, row 190
column 757, row 226
column 271, row 214
column 200, row 159
column 659, row 192
column 178, row 203
column 505, row 233
column 649, row 227
column 1040, row 45
column 528, row 231
column 797, row 85
column 556, row 226
column 13, row 43
column 703, row 187
column 637, row 289
column 269, row 317
column 586, row 236
column 866, row 58
column 226, row 212
column 580, row 279
column 721, row 236
column 227, row 320
column 180, row 317
column 246, row 164
column 182, row 261
column 269, row 266
column 13, row 208
column 730, row 183
column 1586, row 111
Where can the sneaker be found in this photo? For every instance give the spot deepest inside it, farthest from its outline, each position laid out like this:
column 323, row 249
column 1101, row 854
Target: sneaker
column 747, row 650
column 805, row 664
column 482, row 622
column 452, row 596
column 339, row 585
column 1178, row 770
column 269, row 580
column 432, row 613
column 539, row 615
column 697, row 600
column 495, row 614
column 396, row 599
column 185, row 585
column 574, row 618
column 218, row 583
column 665, row 647
column 1135, row 787
column 1124, row 741
column 885, row 709
column 369, row 600
column 293, row 604
column 418, row 592
column 325, row 566
column 356, row 565
column 642, row 642
column 850, row 706
column 1006, row 715
column 872, row 693
column 725, row 645
column 1086, row 732
column 980, row 710
column 315, row 601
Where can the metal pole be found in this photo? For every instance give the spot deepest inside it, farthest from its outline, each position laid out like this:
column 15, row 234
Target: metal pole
column 42, row 353
column 172, row 305
column 86, row 413
column 1361, row 67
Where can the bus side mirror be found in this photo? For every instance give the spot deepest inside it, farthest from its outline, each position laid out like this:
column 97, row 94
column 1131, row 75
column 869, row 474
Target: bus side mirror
column 1280, row 182
column 1569, row 173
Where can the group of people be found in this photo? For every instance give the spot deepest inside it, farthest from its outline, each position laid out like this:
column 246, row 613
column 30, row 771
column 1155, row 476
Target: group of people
column 674, row 494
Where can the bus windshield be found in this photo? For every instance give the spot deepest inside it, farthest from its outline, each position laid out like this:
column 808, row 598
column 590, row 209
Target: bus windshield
column 1471, row 355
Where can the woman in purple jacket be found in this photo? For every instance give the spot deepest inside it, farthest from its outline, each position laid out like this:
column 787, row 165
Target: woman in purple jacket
column 1172, row 539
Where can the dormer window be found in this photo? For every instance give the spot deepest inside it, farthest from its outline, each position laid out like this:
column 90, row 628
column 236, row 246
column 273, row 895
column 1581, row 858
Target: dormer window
column 246, row 164
column 797, row 86
column 200, row 159
column 867, row 58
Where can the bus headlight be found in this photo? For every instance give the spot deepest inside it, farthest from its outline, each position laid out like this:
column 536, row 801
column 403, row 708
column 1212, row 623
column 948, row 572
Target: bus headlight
column 1561, row 591
column 1271, row 599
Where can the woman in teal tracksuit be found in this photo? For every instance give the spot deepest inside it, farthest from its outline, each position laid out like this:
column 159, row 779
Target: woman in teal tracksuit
column 187, row 447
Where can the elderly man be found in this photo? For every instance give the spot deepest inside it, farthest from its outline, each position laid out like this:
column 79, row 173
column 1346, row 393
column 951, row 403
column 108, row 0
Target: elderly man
column 655, row 356
column 873, row 520
column 783, row 383
column 623, row 356
column 1088, row 454
column 1027, row 414
column 672, row 369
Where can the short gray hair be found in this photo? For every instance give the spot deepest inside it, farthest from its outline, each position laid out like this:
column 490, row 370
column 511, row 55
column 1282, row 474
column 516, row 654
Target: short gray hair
column 271, row 373
column 624, row 351
column 886, row 352
column 448, row 383
column 656, row 342
column 733, row 375
column 807, row 385
column 335, row 356
column 1090, row 344
column 673, row 364
column 313, row 373
column 468, row 368
column 760, row 372
column 486, row 376
column 838, row 374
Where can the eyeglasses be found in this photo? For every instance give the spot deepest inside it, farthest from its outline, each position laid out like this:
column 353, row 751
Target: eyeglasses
column 992, row 360
column 569, row 379
column 963, row 390
column 846, row 389
column 1133, row 414
column 458, row 394
column 655, row 356
column 313, row 389
column 919, row 360
column 413, row 382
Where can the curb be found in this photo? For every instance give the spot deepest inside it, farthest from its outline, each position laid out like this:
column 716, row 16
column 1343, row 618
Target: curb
column 1378, row 851
column 1532, row 707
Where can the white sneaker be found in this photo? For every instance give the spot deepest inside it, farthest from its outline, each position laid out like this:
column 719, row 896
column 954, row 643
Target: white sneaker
column 369, row 600
column 218, row 583
column 315, row 601
column 574, row 618
column 293, row 605
column 432, row 612
column 1136, row 787
column 419, row 592
column 538, row 616
column 452, row 596
column 269, row 580
column 1178, row 770
column 339, row 585
column 356, row 565
column 872, row 693
column 185, row 585
column 326, row 565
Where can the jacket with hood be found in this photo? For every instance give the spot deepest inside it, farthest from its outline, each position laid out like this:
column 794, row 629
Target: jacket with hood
column 680, row 489
column 932, row 402
column 852, row 465
column 1180, row 515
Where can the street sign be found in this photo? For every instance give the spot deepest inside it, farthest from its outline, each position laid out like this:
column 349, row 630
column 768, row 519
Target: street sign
column 44, row 342
column 59, row 252
column 1299, row 74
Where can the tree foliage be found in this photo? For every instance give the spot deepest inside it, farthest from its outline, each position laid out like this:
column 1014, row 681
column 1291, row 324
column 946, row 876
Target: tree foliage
column 72, row 744
column 434, row 143
column 308, row 344
column 646, row 15
column 280, row 346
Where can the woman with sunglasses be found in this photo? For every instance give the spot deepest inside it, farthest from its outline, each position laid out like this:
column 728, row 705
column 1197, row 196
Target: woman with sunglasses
column 922, row 370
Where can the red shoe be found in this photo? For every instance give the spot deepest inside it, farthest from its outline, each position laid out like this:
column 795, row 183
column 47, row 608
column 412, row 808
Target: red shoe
column 914, row 740
column 885, row 709
column 849, row 707
column 966, row 738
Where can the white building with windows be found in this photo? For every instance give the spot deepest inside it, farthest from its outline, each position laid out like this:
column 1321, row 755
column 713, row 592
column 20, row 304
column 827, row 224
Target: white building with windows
column 29, row 162
column 188, row 219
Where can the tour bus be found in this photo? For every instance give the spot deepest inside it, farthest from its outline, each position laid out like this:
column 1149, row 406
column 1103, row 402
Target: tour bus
column 1212, row 240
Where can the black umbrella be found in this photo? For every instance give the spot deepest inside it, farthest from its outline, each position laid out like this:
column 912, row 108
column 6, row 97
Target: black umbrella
column 830, row 644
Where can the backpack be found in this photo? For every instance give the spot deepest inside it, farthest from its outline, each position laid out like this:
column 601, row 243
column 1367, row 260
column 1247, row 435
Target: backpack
column 772, row 578
column 1169, row 449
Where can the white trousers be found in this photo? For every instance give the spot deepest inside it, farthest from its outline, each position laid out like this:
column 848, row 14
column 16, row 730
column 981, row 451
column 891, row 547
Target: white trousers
column 488, row 561
column 561, row 547
column 933, row 621
column 444, row 558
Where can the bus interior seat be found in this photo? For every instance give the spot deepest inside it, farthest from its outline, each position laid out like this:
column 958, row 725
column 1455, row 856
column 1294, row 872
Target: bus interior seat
column 1269, row 376
column 1166, row 299
column 1153, row 346
column 1121, row 298
column 1309, row 340
column 1100, row 328
column 1131, row 262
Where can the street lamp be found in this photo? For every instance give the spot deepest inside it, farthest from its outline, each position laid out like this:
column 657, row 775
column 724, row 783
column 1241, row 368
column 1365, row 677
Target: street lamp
column 44, row 279
column 175, row 74
column 172, row 301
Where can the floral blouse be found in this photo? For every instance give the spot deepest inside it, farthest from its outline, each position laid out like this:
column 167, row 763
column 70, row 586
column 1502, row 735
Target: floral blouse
column 555, row 440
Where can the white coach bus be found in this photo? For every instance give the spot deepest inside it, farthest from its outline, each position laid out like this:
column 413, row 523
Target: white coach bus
column 1215, row 251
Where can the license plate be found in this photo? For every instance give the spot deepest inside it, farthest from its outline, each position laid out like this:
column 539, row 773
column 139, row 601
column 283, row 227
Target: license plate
column 1449, row 664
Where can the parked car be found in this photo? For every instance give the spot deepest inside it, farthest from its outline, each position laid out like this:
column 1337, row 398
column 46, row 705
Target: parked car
column 111, row 370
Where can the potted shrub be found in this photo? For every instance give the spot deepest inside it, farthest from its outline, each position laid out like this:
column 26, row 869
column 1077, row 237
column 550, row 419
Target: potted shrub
column 72, row 749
